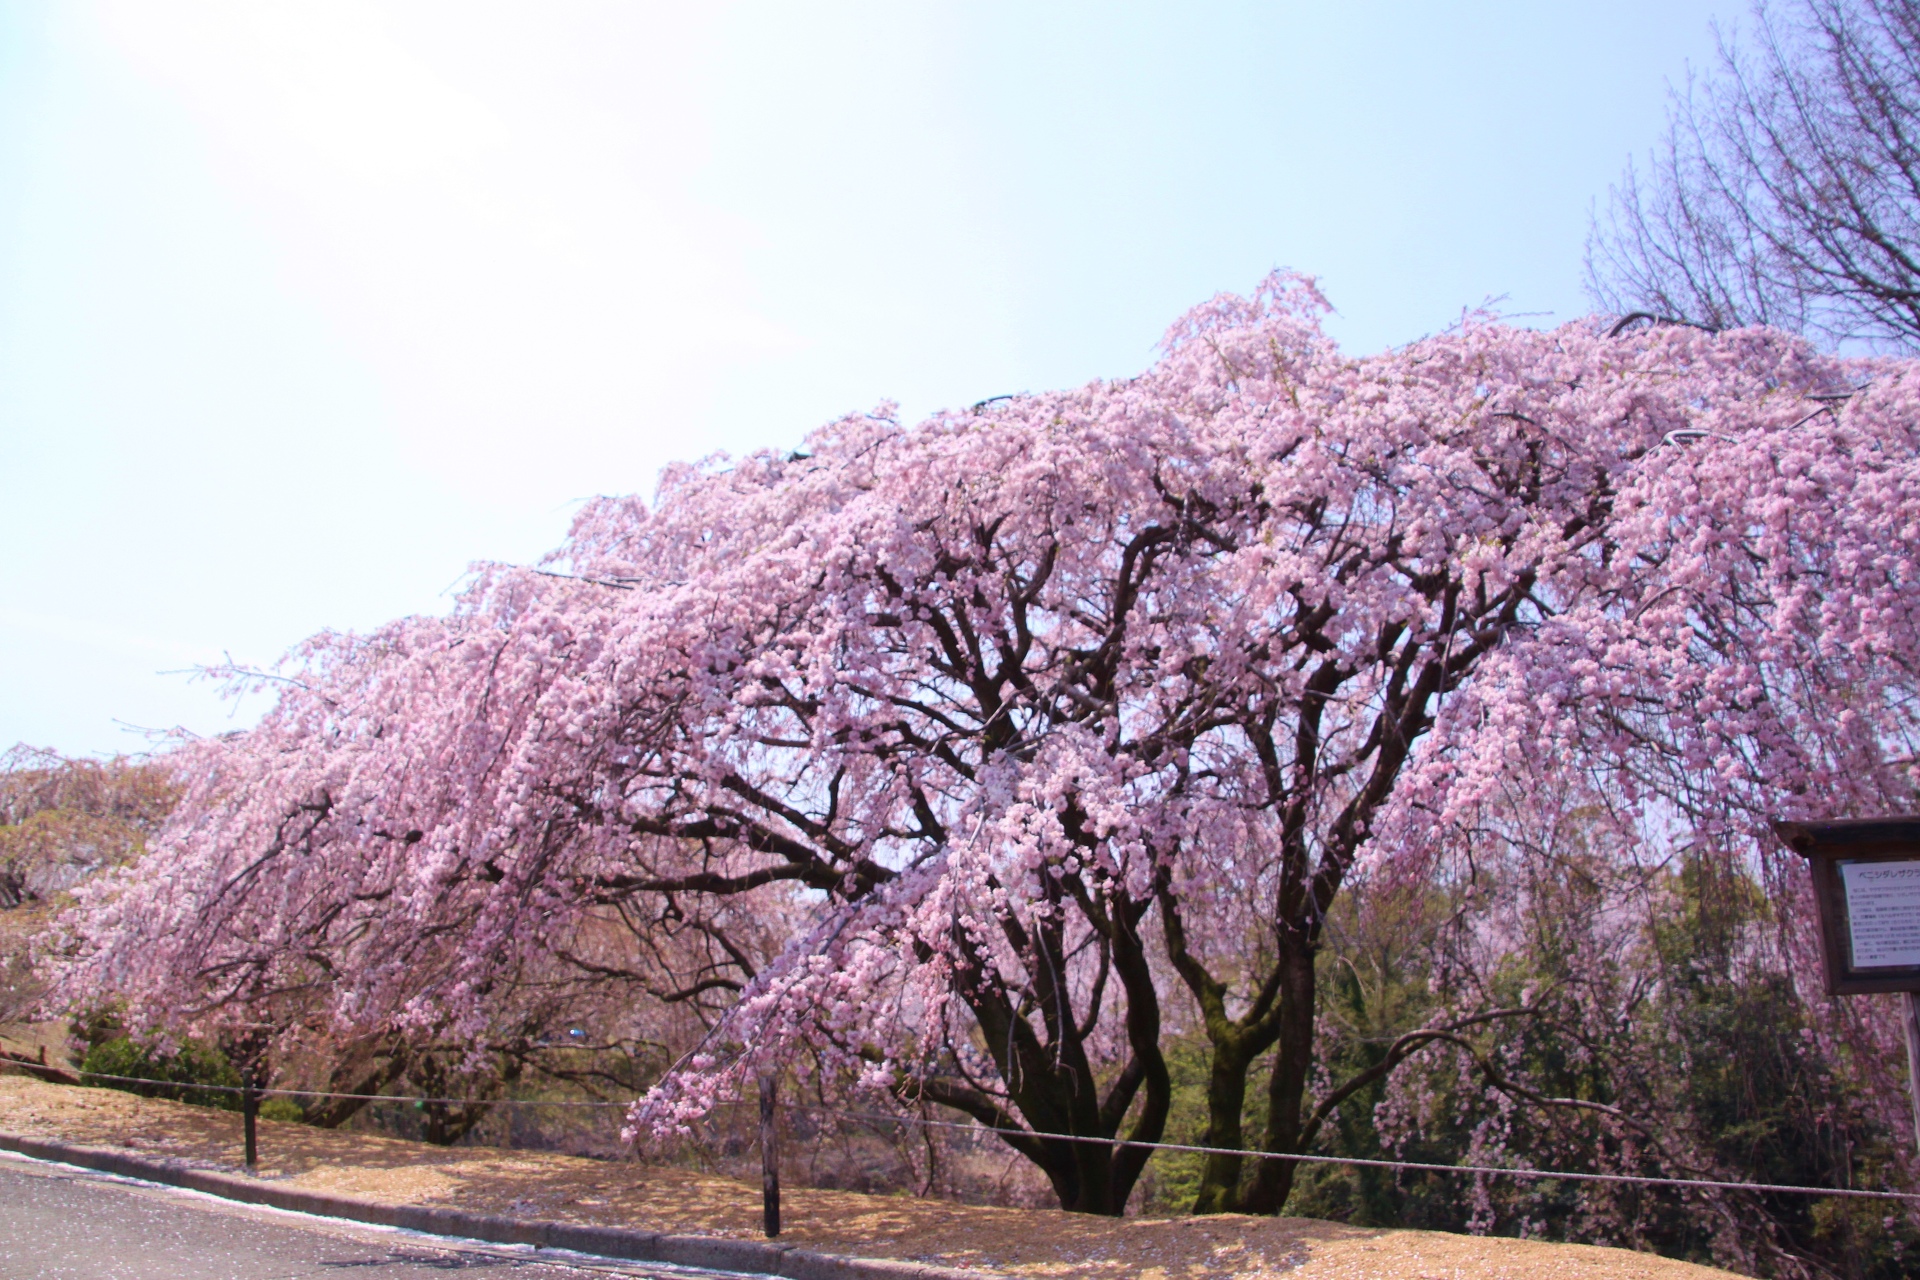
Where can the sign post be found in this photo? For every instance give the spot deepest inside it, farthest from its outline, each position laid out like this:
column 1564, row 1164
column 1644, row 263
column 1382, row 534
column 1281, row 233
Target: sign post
column 1866, row 886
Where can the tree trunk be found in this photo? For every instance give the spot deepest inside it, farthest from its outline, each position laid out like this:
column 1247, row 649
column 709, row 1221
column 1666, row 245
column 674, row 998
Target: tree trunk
column 1287, row 1086
column 1050, row 1079
column 1226, row 1102
column 1224, row 1184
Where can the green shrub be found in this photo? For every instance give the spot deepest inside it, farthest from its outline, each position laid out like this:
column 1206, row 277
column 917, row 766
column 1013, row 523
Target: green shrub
column 282, row 1109
column 192, row 1064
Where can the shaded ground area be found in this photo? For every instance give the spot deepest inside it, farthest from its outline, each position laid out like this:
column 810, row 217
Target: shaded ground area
column 1026, row 1243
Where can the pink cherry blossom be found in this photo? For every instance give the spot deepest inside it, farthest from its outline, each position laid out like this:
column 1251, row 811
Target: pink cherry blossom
column 1039, row 726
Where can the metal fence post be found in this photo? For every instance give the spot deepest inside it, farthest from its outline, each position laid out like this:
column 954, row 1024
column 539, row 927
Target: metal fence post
column 249, row 1109
column 769, row 1158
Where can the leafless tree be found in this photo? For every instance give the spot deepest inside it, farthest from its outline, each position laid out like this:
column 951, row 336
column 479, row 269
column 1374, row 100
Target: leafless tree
column 1787, row 188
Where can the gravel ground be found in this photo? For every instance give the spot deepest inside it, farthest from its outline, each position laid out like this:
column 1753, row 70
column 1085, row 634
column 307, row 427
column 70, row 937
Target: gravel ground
column 1039, row 1244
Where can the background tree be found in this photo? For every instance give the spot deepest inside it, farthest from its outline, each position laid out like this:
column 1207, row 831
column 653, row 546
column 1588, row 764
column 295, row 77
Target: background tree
column 1787, row 188
column 1674, row 1035
column 61, row 821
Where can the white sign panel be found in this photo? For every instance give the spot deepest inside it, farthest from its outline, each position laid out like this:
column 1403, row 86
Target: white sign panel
column 1883, row 912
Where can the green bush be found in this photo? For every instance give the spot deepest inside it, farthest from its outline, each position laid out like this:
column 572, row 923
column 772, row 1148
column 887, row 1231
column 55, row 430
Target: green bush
column 171, row 1074
column 282, row 1109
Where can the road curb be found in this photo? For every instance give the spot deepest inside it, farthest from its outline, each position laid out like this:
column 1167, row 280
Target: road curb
column 716, row 1253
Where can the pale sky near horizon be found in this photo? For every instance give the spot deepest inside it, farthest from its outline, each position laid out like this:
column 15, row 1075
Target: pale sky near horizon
column 305, row 307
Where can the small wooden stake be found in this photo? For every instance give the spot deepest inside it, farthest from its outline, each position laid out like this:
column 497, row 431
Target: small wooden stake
column 249, row 1109
column 1910, row 1007
column 769, row 1158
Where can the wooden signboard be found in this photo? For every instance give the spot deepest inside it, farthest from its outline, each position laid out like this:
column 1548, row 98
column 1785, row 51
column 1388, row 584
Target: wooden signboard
column 1866, row 884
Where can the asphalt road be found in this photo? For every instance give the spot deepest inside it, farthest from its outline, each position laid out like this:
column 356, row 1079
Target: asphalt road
column 60, row 1223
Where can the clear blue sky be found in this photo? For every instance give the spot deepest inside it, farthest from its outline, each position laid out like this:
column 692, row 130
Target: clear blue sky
column 304, row 307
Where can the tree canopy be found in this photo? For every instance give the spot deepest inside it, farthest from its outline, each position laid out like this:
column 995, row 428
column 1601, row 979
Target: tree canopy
column 968, row 755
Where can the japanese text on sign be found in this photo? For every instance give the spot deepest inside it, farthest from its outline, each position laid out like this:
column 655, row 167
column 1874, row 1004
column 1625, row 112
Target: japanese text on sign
column 1883, row 912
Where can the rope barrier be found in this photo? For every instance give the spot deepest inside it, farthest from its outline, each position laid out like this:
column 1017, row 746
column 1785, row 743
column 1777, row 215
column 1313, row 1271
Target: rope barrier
column 1362, row 1162
column 1502, row 1171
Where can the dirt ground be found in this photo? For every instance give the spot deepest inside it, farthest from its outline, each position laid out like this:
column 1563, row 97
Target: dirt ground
column 1017, row 1242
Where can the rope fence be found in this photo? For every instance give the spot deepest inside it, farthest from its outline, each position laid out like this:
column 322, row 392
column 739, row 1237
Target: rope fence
column 1499, row 1171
